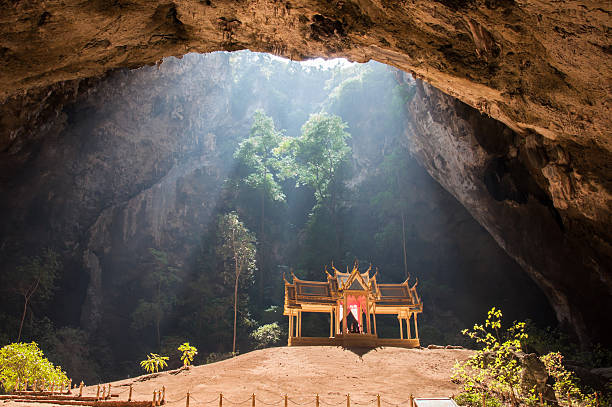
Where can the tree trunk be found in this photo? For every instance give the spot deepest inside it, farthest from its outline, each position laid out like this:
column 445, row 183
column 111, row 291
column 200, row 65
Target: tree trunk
column 261, row 247
column 235, row 312
column 25, row 308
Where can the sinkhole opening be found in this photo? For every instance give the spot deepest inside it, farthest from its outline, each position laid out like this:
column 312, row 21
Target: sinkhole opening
column 313, row 159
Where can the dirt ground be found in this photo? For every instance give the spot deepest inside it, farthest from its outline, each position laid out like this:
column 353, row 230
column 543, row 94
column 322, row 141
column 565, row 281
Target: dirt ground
column 302, row 372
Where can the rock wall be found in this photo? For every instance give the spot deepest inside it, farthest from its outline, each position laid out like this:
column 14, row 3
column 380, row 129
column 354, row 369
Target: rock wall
column 529, row 192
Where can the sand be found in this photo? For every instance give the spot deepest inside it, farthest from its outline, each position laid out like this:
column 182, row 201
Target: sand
column 301, row 373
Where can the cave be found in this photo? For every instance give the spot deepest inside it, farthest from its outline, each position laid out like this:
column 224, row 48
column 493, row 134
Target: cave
column 510, row 116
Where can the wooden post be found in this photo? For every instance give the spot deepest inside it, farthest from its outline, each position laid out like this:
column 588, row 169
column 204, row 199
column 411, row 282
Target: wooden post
column 253, row 398
column 337, row 315
column 348, row 400
column 408, row 333
column 42, row 387
column 411, row 400
column 300, row 324
column 286, row 399
column 317, row 401
column 130, row 394
column 368, row 324
column 98, row 393
column 187, row 400
column 69, row 386
column 34, row 385
column 416, row 328
column 221, row 394
column 401, row 327
column 541, row 401
column 331, row 324
column 163, row 400
column 344, row 312
column 290, row 325
column 378, row 400
column 108, row 394
column 81, row 389
column 155, row 398
column 484, row 400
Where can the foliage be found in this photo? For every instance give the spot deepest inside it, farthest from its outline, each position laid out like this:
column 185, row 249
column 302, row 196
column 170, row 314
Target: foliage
column 34, row 280
column 267, row 335
column 189, row 353
column 494, row 368
column 257, row 154
column 237, row 249
column 475, row 400
column 565, row 381
column 25, row 361
column 315, row 157
column 154, row 363
column 159, row 285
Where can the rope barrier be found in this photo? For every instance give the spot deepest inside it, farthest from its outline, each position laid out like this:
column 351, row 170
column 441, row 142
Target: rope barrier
column 242, row 402
column 333, row 404
column 271, row 404
column 300, row 404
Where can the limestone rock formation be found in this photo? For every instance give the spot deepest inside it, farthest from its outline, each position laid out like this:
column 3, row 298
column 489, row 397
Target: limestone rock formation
column 537, row 197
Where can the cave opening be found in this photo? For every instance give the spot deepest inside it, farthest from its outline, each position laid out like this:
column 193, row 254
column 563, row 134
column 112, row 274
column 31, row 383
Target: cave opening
column 140, row 165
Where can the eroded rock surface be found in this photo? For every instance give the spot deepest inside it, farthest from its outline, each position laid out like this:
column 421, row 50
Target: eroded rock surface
column 531, row 194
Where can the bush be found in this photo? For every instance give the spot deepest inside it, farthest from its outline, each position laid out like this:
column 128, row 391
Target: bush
column 154, row 363
column 189, row 353
column 25, row 361
column 475, row 400
column 494, row 369
column 266, row 335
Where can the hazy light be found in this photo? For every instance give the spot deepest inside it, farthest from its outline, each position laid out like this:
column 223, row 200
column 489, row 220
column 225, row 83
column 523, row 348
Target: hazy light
column 320, row 62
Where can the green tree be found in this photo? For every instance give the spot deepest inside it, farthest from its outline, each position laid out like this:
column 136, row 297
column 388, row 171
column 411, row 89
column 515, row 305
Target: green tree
column 315, row 159
column 34, row 280
column 257, row 154
column 25, row 361
column 237, row 249
column 159, row 283
column 394, row 200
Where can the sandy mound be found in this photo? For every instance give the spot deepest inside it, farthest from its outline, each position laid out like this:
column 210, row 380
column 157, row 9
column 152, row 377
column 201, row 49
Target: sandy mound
column 302, row 372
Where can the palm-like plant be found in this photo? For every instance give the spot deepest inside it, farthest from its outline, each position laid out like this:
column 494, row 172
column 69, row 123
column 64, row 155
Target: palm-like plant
column 154, row 363
column 188, row 353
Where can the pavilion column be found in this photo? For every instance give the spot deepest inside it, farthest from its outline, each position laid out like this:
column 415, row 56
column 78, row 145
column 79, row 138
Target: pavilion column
column 290, row 325
column 331, row 323
column 401, row 327
column 374, row 315
column 336, row 312
column 416, row 328
column 344, row 325
column 369, row 327
column 408, row 326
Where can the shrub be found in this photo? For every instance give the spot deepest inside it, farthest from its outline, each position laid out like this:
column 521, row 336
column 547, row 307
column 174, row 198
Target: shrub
column 154, row 363
column 25, row 361
column 475, row 400
column 188, row 353
column 565, row 381
column 266, row 335
column 495, row 368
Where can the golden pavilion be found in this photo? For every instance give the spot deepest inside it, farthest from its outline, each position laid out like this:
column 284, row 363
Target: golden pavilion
column 353, row 299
